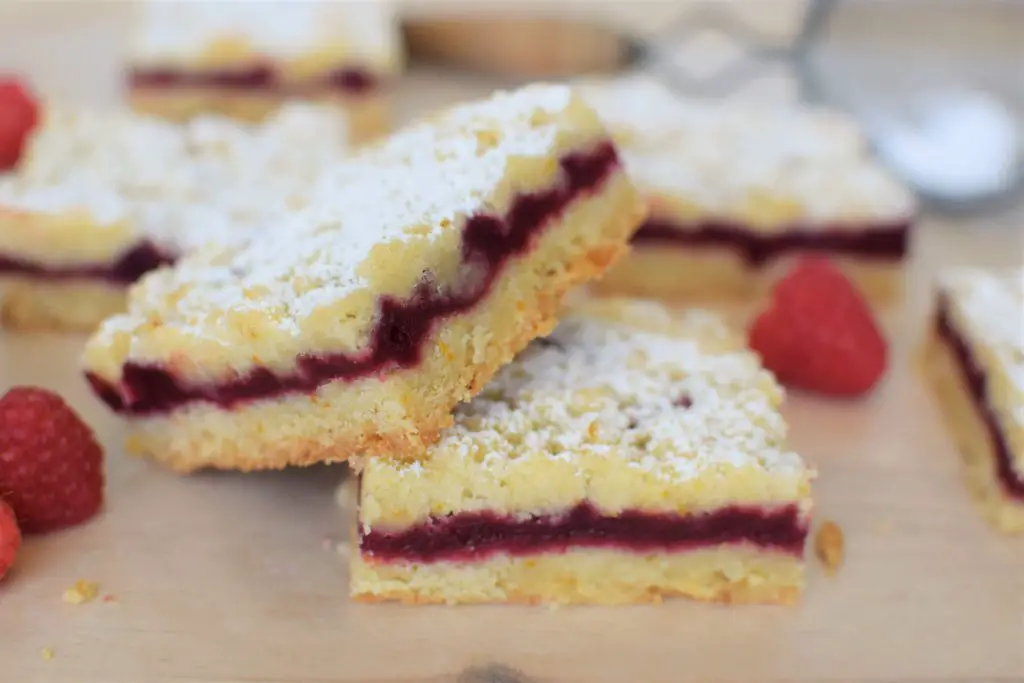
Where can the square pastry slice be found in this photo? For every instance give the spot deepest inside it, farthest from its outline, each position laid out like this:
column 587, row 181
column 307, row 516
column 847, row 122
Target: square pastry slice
column 244, row 58
column 73, row 240
column 420, row 267
column 738, row 191
column 634, row 454
column 975, row 361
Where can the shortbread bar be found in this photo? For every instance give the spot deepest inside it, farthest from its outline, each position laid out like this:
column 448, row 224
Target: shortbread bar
column 104, row 199
column 419, row 268
column 635, row 453
column 244, row 58
column 975, row 360
column 739, row 191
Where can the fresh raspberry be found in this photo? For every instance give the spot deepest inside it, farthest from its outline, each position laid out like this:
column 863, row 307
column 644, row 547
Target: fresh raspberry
column 51, row 467
column 10, row 538
column 818, row 333
column 19, row 114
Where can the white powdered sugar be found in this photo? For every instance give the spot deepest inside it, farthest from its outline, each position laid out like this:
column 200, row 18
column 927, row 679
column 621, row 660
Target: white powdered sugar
column 181, row 31
column 735, row 159
column 673, row 399
column 180, row 187
column 407, row 197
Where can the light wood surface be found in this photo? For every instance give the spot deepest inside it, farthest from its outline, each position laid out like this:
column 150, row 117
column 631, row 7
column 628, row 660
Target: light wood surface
column 221, row 577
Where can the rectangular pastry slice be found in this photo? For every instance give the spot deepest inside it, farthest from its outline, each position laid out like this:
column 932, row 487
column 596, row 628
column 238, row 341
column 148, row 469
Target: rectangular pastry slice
column 975, row 361
column 419, row 267
column 635, row 453
column 244, row 58
column 82, row 222
column 738, row 191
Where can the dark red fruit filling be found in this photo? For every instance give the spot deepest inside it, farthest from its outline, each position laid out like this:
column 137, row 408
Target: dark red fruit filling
column 129, row 267
column 403, row 326
column 888, row 241
column 974, row 378
column 473, row 535
column 260, row 77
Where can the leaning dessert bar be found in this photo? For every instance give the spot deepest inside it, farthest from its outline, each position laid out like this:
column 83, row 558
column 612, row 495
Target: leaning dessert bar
column 975, row 359
column 419, row 268
column 104, row 198
column 633, row 454
column 739, row 191
column 190, row 58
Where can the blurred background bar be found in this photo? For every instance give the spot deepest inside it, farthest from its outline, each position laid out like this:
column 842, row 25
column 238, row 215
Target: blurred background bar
column 874, row 59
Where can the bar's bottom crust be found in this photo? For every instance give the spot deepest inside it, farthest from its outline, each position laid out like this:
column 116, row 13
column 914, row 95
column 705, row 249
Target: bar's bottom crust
column 729, row 574
column 32, row 304
column 677, row 273
column 972, row 438
column 343, row 419
column 368, row 115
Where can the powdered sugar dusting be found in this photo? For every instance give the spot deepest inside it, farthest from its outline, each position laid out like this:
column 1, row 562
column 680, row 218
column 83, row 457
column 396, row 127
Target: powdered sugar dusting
column 735, row 159
column 179, row 187
column 407, row 196
column 365, row 31
column 99, row 203
column 674, row 395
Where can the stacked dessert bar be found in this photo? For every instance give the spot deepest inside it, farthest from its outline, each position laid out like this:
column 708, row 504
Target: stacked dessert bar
column 244, row 58
column 398, row 321
column 103, row 198
column 633, row 454
column 738, row 191
column 416, row 271
column 975, row 360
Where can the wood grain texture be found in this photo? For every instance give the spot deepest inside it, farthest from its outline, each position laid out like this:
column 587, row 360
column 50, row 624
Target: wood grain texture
column 223, row 578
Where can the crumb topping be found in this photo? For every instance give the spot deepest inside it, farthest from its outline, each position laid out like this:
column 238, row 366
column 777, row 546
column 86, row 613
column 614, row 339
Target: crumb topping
column 770, row 165
column 988, row 309
column 373, row 225
column 211, row 181
column 279, row 29
column 621, row 387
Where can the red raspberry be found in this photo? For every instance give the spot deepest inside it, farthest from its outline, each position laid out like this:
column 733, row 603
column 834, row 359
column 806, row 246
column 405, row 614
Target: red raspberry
column 51, row 467
column 10, row 538
column 19, row 114
column 819, row 334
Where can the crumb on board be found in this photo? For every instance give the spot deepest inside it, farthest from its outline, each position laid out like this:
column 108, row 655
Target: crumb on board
column 82, row 591
column 47, row 653
column 109, row 598
column 828, row 545
column 345, row 493
column 343, row 549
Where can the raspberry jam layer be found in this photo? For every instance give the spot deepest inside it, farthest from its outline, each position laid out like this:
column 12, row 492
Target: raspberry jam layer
column 886, row 241
column 976, row 381
column 472, row 536
column 258, row 77
column 129, row 267
column 403, row 326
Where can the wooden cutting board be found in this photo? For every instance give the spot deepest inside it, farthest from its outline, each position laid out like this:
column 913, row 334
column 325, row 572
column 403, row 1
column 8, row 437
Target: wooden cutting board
column 220, row 578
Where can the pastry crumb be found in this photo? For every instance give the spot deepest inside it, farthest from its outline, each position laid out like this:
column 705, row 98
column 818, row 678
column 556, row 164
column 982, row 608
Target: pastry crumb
column 343, row 549
column 345, row 494
column 109, row 598
column 83, row 591
column 829, row 546
column 47, row 653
